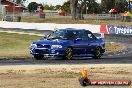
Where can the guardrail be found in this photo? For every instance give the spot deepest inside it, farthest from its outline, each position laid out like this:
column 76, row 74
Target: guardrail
column 48, row 26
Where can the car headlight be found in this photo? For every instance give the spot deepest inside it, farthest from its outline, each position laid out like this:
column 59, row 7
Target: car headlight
column 56, row 46
column 33, row 45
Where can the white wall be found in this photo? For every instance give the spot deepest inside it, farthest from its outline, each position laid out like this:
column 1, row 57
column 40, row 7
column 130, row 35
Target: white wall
column 49, row 26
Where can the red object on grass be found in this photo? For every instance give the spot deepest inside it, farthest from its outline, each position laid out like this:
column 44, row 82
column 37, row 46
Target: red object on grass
column 41, row 11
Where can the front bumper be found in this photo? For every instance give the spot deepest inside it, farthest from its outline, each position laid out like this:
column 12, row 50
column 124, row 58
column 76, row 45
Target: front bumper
column 47, row 52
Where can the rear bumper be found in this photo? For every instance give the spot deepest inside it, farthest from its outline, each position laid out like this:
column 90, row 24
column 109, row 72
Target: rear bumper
column 103, row 50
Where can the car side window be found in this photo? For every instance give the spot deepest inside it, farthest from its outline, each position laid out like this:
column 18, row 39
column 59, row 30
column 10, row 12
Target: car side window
column 69, row 35
column 90, row 35
column 81, row 34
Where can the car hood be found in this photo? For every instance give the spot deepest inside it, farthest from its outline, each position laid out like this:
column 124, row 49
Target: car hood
column 51, row 42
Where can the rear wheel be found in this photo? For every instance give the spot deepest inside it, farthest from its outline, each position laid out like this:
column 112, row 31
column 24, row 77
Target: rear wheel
column 68, row 54
column 39, row 57
column 97, row 53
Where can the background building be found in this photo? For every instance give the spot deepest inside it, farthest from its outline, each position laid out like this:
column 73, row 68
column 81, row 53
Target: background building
column 11, row 7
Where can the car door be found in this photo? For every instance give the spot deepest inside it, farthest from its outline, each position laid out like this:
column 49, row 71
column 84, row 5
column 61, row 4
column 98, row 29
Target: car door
column 92, row 42
column 85, row 43
column 80, row 43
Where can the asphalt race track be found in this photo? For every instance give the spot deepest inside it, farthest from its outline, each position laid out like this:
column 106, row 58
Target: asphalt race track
column 120, row 57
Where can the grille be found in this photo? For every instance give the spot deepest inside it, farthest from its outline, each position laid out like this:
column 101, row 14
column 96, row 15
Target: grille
column 43, row 46
column 46, row 51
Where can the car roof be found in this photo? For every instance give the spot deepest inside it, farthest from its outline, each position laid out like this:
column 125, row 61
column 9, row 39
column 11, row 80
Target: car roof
column 71, row 29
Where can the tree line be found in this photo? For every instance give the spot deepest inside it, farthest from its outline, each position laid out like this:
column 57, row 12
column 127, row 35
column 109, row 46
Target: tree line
column 78, row 7
column 91, row 6
column 88, row 6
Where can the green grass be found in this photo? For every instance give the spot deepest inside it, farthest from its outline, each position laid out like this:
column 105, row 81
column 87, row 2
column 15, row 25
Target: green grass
column 15, row 45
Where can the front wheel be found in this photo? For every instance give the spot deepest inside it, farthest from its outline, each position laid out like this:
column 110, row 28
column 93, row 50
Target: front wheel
column 68, row 54
column 38, row 57
column 97, row 53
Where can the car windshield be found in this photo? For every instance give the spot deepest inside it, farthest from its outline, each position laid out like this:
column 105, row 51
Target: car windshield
column 66, row 34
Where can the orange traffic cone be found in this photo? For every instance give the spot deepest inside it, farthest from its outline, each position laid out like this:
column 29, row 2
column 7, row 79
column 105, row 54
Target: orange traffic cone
column 85, row 73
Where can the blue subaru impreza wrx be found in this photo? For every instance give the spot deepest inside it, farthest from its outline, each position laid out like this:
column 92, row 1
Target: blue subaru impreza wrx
column 68, row 43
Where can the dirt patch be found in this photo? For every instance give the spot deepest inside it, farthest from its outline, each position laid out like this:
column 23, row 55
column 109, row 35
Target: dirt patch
column 59, row 76
column 113, row 47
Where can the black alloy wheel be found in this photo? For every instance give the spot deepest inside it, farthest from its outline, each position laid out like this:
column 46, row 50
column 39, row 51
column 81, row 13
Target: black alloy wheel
column 69, row 54
column 97, row 53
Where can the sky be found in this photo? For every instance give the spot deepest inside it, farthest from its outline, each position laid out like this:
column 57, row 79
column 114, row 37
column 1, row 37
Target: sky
column 49, row 2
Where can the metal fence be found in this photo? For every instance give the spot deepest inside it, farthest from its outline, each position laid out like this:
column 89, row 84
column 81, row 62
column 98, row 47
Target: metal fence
column 103, row 17
column 97, row 17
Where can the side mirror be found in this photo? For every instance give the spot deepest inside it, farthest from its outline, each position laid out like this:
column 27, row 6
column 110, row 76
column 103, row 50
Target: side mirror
column 102, row 35
column 45, row 36
column 78, row 39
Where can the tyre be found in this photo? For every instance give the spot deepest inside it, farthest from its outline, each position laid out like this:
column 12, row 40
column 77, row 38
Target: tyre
column 84, row 81
column 97, row 54
column 68, row 54
column 39, row 57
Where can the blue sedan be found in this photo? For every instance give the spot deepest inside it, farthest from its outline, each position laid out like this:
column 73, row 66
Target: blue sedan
column 68, row 43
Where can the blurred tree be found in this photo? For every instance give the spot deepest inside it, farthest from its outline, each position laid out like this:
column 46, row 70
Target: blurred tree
column 47, row 7
column 32, row 6
column 93, row 7
column 51, row 7
column 78, row 7
column 20, row 1
column 119, row 5
column 41, row 6
column 107, row 5
column 58, row 7
column 66, row 7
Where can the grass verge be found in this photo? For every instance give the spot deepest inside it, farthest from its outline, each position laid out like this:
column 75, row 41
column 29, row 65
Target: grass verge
column 68, row 20
column 15, row 45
